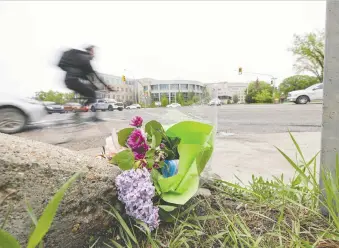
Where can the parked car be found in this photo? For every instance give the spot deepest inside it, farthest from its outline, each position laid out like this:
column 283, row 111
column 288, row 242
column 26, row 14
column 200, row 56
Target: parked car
column 54, row 108
column 173, row 105
column 118, row 106
column 157, row 104
column 134, row 106
column 214, row 102
column 312, row 93
column 17, row 113
column 100, row 104
column 75, row 107
column 114, row 105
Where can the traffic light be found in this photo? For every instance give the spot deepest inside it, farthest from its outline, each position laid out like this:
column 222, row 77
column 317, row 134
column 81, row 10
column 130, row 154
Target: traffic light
column 123, row 78
column 240, row 71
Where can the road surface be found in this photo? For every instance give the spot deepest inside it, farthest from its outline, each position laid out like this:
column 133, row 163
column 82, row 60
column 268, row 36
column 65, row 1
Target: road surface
column 246, row 139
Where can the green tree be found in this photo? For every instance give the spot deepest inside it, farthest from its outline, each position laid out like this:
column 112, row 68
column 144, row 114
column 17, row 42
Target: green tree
column 297, row 82
column 164, row 100
column 235, row 99
column 205, row 97
column 256, row 88
column 54, row 96
column 309, row 50
column 264, row 96
column 180, row 98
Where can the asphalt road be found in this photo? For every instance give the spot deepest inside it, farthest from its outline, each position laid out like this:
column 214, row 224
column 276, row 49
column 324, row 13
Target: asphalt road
column 229, row 118
column 236, row 119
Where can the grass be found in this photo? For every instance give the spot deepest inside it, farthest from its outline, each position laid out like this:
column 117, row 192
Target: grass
column 266, row 213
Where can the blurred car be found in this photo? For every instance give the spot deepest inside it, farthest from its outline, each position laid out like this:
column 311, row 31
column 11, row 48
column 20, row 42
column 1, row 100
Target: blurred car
column 173, row 105
column 114, row 105
column 312, row 93
column 17, row 113
column 75, row 107
column 54, row 108
column 157, row 104
column 134, row 106
column 214, row 102
column 100, row 104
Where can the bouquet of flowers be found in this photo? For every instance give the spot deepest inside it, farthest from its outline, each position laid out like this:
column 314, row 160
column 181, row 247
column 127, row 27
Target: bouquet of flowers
column 157, row 160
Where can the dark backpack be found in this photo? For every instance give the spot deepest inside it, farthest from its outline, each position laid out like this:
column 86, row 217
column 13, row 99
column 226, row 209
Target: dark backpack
column 70, row 59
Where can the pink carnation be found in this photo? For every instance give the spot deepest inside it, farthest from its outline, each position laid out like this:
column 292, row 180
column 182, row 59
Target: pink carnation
column 136, row 121
column 137, row 142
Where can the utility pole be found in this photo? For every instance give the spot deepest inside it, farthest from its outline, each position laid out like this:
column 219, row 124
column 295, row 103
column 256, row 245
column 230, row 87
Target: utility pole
column 330, row 118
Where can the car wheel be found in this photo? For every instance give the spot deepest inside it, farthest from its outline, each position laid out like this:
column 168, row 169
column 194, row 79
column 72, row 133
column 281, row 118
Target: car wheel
column 302, row 100
column 12, row 120
column 93, row 109
column 110, row 108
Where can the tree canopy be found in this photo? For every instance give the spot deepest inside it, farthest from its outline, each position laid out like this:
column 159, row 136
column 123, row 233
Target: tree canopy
column 297, row 82
column 309, row 50
column 235, row 99
column 54, row 96
column 259, row 92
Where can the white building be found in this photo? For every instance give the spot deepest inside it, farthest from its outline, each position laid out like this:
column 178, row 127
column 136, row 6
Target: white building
column 155, row 89
column 226, row 90
column 122, row 91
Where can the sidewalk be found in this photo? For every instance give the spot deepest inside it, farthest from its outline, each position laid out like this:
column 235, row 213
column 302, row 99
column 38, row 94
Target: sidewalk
column 246, row 154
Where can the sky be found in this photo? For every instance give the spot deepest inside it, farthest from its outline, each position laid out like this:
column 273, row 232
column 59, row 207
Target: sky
column 203, row 40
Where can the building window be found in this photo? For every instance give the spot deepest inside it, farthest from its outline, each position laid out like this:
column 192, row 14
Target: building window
column 193, row 86
column 154, row 87
column 184, row 86
column 164, row 87
column 155, row 97
column 173, row 97
column 185, row 95
column 174, row 86
column 190, row 87
column 145, row 88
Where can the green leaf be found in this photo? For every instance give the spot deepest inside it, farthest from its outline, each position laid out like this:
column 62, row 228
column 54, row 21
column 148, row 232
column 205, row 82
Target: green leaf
column 167, row 208
column 150, row 162
column 46, row 219
column 7, row 240
column 153, row 125
column 154, row 128
column 124, row 159
column 150, row 153
column 123, row 135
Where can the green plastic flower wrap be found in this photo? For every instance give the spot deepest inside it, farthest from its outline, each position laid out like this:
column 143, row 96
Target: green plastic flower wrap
column 195, row 150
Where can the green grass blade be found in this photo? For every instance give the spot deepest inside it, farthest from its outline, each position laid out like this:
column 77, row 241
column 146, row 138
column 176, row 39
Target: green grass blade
column 294, row 165
column 116, row 215
column 46, row 219
column 92, row 246
column 298, row 147
column 7, row 240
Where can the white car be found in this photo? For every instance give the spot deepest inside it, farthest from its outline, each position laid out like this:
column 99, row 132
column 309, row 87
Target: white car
column 173, row 105
column 133, row 106
column 214, row 102
column 17, row 113
column 100, row 104
column 312, row 93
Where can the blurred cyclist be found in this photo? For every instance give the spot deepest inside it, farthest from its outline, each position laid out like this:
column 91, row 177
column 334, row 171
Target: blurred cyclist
column 77, row 64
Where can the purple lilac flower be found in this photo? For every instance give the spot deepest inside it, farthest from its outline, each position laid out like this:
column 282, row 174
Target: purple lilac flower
column 136, row 191
column 137, row 142
column 136, row 121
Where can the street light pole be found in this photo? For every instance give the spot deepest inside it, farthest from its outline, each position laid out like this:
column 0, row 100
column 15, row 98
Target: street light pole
column 330, row 117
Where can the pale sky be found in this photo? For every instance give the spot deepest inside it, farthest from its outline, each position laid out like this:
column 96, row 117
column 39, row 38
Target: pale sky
column 204, row 41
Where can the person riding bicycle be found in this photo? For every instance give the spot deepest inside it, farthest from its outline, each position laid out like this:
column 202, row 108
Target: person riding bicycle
column 77, row 65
